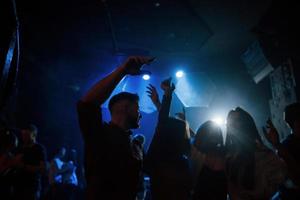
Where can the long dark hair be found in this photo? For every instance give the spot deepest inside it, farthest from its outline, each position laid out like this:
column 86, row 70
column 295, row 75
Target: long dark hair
column 241, row 141
column 8, row 140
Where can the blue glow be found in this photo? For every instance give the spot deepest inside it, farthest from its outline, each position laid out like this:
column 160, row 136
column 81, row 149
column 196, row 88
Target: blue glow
column 218, row 120
column 195, row 90
column 137, row 85
column 179, row 74
column 146, row 77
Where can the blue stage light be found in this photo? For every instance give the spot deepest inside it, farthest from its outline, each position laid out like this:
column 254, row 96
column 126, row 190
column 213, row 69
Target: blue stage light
column 179, row 74
column 146, row 77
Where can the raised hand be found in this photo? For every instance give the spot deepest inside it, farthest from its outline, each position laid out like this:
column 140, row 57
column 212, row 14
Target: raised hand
column 167, row 86
column 134, row 64
column 271, row 133
column 152, row 93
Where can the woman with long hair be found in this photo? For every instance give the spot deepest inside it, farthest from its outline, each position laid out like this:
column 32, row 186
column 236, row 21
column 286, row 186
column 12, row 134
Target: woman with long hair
column 253, row 171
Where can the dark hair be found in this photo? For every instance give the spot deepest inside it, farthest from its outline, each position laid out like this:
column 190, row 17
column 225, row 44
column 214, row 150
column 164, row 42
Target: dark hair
column 31, row 127
column 210, row 138
column 245, row 126
column 174, row 137
column 120, row 97
column 7, row 138
column 292, row 113
column 241, row 169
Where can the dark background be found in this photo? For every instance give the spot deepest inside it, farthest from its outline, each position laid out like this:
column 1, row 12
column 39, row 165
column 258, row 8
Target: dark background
column 65, row 46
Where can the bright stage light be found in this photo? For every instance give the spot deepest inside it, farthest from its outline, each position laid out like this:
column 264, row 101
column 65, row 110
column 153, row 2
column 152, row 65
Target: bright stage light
column 146, row 77
column 219, row 120
column 179, row 74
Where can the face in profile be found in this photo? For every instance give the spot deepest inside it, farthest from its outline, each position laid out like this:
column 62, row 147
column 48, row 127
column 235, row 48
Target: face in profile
column 26, row 136
column 233, row 124
column 134, row 116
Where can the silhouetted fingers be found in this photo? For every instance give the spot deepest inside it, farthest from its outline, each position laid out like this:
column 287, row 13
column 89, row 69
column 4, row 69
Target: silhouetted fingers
column 149, row 92
column 151, row 86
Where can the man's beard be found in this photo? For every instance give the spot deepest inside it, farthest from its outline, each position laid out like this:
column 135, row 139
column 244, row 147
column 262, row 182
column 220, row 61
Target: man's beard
column 134, row 122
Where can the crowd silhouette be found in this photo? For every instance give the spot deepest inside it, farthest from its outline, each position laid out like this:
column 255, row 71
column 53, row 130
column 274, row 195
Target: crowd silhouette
column 180, row 164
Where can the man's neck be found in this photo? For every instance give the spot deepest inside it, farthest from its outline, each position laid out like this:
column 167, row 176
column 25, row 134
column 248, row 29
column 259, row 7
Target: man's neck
column 120, row 123
column 29, row 144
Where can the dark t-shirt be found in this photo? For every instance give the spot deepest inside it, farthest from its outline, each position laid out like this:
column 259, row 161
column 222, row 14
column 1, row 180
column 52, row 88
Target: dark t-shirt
column 210, row 185
column 112, row 166
column 32, row 155
column 292, row 144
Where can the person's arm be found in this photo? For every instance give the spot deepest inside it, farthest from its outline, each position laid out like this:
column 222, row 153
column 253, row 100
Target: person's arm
column 168, row 89
column 153, row 94
column 154, row 148
column 61, row 170
column 292, row 165
column 100, row 92
column 88, row 108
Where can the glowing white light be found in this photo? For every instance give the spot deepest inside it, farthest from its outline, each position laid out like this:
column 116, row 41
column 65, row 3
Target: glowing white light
column 218, row 120
column 179, row 74
column 146, row 77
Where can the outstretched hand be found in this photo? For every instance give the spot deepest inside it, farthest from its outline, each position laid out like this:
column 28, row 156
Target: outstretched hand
column 152, row 93
column 271, row 133
column 167, row 86
column 134, row 64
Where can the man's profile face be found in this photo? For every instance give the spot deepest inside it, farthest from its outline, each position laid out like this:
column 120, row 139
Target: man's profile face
column 134, row 116
column 26, row 136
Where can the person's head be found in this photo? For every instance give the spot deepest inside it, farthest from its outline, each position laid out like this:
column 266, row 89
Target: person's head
column 124, row 110
column 209, row 138
column 292, row 117
column 8, row 140
column 61, row 153
column 241, row 129
column 175, row 136
column 242, row 137
column 29, row 134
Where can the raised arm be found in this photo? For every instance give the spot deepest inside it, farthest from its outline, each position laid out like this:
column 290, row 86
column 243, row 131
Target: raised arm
column 168, row 89
column 101, row 91
column 89, row 117
column 152, row 93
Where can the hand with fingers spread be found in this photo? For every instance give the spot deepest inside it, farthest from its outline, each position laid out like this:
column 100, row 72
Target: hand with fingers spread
column 271, row 133
column 134, row 64
column 167, row 86
column 152, row 93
